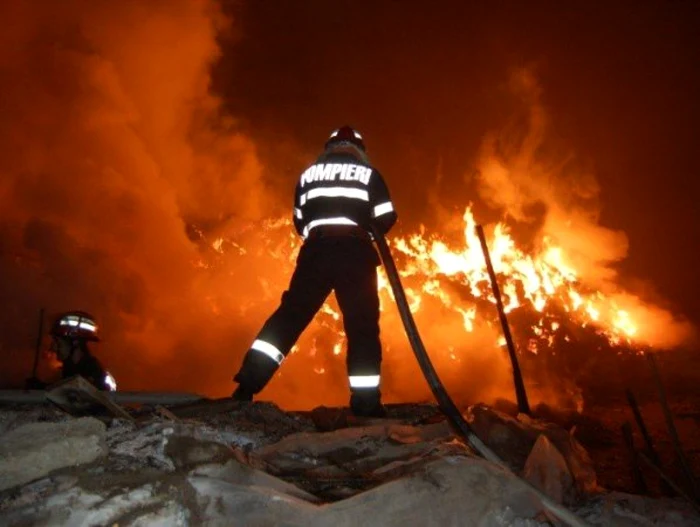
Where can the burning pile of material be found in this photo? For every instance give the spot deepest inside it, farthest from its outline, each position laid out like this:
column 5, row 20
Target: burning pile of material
column 448, row 288
column 554, row 261
column 558, row 282
column 128, row 192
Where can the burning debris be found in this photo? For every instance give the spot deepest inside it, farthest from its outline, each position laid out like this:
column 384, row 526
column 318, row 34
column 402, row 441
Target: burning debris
column 559, row 322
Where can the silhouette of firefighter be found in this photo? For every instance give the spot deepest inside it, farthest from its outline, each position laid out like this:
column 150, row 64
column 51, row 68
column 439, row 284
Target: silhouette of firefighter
column 335, row 201
column 70, row 334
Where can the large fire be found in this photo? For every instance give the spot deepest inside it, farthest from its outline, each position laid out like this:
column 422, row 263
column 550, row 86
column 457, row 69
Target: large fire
column 117, row 137
column 450, row 294
column 528, row 281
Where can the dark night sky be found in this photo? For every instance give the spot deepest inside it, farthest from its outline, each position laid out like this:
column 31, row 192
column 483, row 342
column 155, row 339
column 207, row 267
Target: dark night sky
column 619, row 81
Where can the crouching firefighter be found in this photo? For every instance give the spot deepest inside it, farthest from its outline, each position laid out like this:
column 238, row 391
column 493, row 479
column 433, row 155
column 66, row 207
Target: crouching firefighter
column 70, row 334
column 335, row 201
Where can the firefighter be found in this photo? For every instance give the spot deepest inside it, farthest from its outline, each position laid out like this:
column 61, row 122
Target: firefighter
column 335, row 201
column 70, row 334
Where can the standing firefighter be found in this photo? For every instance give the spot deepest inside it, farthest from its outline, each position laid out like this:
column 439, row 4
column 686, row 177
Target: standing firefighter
column 335, row 201
column 70, row 335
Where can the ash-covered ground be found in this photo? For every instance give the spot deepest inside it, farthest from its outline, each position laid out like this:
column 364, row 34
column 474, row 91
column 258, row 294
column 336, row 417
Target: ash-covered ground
column 220, row 462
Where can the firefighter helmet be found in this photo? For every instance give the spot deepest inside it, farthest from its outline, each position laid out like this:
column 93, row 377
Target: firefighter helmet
column 76, row 325
column 346, row 134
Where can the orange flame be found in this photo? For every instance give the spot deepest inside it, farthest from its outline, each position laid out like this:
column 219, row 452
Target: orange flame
column 449, row 292
column 534, row 281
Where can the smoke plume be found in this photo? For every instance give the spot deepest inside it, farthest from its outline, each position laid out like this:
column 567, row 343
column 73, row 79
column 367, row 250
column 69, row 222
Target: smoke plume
column 535, row 180
column 111, row 144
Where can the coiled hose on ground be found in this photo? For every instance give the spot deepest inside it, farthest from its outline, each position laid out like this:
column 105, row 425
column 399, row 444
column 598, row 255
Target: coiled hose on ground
column 445, row 402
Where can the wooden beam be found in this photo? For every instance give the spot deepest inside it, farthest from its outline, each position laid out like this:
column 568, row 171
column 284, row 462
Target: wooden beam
column 77, row 396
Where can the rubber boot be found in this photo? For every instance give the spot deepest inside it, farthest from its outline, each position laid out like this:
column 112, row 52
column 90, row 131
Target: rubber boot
column 367, row 403
column 256, row 371
column 242, row 394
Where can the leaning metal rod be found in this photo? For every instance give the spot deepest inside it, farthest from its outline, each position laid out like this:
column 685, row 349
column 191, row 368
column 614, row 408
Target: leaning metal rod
column 682, row 459
column 520, row 393
column 639, row 482
column 446, row 403
column 653, row 455
column 665, row 477
column 632, row 400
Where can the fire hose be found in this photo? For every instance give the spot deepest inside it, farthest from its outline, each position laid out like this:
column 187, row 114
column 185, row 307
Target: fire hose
column 444, row 400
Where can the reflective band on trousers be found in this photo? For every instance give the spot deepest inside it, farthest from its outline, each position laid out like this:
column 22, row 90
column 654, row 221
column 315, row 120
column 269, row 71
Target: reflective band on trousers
column 269, row 350
column 364, row 381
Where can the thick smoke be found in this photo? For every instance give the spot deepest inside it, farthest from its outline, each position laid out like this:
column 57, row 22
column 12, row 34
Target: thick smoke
column 110, row 146
column 125, row 191
column 534, row 180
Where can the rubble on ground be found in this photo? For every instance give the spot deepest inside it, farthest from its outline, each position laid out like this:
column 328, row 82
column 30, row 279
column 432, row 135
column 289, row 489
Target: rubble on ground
column 223, row 462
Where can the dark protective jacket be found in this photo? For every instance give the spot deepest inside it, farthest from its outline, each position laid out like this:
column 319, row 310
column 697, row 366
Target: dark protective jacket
column 340, row 190
column 89, row 368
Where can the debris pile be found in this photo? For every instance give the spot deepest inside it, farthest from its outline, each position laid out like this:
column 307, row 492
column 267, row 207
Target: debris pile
column 214, row 462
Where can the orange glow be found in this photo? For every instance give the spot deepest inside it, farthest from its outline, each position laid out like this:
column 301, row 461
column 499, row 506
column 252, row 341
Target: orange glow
column 129, row 190
column 544, row 279
column 449, row 293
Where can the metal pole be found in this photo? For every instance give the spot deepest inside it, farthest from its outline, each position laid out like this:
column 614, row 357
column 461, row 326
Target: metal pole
column 682, row 459
column 520, row 393
column 668, row 480
column 639, row 482
column 647, row 438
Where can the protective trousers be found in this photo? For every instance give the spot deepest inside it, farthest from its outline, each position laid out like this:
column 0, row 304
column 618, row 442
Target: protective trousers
column 348, row 266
